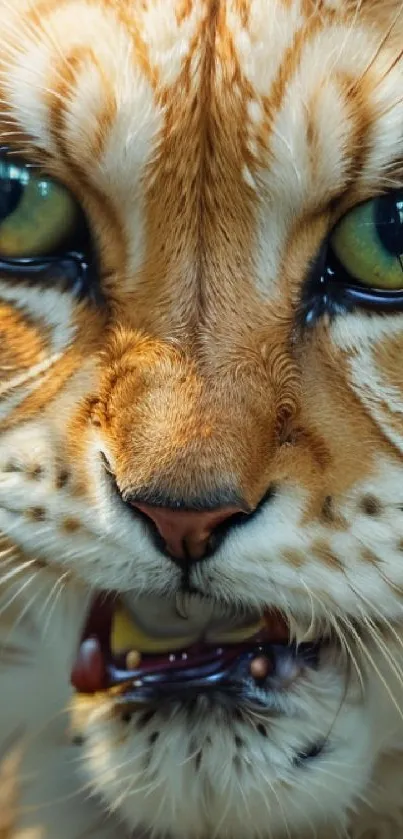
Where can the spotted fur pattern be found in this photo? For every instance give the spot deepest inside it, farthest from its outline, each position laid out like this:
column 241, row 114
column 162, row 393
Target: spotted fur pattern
column 212, row 145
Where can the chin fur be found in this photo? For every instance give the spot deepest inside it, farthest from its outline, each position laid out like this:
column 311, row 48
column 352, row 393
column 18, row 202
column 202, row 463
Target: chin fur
column 207, row 770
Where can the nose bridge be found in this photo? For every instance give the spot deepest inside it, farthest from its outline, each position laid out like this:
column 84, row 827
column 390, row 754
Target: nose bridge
column 178, row 427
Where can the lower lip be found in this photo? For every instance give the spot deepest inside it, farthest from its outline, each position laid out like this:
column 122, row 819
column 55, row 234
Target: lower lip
column 97, row 668
column 183, row 665
column 228, row 671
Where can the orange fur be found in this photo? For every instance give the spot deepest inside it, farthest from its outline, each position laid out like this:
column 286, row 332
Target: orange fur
column 209, row 180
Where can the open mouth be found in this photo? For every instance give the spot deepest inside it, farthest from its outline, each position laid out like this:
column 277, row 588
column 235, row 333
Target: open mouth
column 160, row 650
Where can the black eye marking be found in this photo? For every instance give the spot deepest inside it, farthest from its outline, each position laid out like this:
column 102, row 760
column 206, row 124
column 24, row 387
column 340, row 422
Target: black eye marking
column 72, row 272
column 302, row 758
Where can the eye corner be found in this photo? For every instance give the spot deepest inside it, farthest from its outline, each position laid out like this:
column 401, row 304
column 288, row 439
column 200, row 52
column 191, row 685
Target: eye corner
column 321, row 300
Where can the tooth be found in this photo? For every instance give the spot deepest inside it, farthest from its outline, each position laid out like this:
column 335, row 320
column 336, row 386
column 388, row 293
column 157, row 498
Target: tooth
column 89, row 673
column 126, row 635
column 133, row 660
column 260, row 667
column 236, row 635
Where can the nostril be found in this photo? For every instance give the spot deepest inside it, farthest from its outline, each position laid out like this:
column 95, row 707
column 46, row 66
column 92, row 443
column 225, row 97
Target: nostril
column 186, row 533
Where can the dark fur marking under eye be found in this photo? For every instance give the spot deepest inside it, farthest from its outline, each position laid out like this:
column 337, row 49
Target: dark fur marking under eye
column 145, row 718
column 37, row 513
column 327, row 509
column 62, row 479
column 370, row 505
column 11, row 466
column 35, row 473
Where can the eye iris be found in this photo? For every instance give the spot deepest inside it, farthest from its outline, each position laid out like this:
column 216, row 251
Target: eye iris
column 368, row 243
column 11, row 192
column 389, row 223
column 38, row 215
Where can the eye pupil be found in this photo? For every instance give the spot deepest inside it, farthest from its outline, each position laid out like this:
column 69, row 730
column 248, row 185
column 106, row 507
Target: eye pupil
column 10, row 196
column 389, row 223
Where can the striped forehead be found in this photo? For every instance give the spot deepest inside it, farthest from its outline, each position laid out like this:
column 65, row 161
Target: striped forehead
column 136, row 91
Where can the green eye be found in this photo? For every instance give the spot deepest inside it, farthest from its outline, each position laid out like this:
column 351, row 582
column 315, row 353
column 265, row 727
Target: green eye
column 37, row 215
column 368, row 242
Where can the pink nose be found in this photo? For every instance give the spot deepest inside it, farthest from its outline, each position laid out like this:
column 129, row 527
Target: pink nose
column 186, row 533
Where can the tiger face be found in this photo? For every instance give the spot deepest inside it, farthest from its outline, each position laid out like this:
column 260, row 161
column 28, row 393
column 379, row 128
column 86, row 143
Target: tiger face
column 201, row 290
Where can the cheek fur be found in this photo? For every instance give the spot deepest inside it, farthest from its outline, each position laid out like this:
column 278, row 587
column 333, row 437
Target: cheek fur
column 212, row 147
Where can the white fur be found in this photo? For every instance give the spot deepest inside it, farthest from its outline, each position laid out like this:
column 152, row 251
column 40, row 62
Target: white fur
column 37, row 733
column 198, row 780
